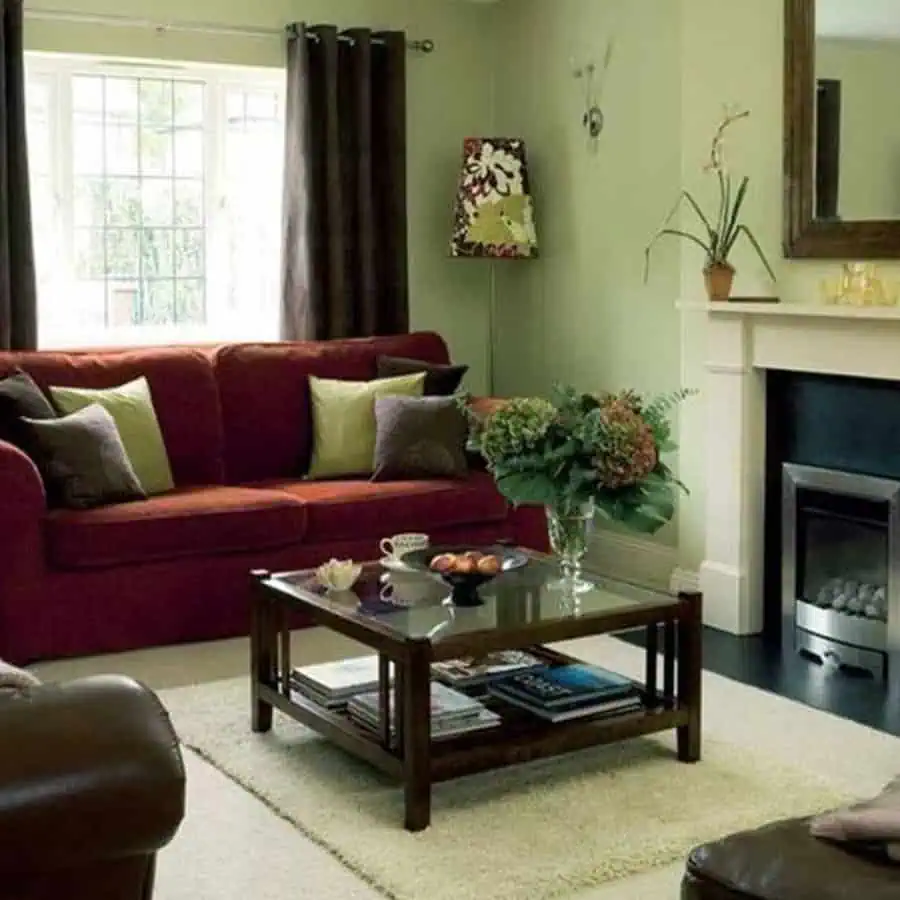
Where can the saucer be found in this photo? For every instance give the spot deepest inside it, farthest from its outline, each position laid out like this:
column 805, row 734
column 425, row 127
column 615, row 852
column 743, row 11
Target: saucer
column 394, row 565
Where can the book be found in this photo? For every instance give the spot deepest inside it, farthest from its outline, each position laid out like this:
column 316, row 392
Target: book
column 576, row 710
column 447, row 705
column 474, row 671
column 334, row 683
column 552, row 686
column 443, row 731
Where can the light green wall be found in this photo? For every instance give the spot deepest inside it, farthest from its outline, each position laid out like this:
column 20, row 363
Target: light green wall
column 449, row 97
column 869, row 72
column 582, row 313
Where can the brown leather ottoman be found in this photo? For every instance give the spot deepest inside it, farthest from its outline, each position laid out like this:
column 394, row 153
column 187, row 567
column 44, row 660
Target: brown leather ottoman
column 782, row 861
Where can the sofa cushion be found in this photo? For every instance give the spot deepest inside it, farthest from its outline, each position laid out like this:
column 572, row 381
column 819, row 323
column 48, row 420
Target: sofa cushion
column 419, row 437
column 440, row 380
column 265, row 395
column 189, row 522
column 131, row 406
column 342, row 510
column 344, row 425
column 185, row 397
column 82, row 459
column 21, row 397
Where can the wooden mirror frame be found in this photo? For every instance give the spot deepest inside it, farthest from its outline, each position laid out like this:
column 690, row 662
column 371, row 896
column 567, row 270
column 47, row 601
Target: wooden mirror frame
column 806, row 237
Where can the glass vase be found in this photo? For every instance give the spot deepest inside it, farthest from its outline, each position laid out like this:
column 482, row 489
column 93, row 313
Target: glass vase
column 570, row 530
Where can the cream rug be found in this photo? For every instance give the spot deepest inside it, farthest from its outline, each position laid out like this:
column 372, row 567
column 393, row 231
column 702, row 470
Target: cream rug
column 550, row 829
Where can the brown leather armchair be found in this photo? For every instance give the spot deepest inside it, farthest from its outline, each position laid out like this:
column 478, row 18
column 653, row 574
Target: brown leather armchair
column 91, row 787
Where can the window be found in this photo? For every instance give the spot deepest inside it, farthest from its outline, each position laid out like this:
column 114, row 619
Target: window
column 156, row 195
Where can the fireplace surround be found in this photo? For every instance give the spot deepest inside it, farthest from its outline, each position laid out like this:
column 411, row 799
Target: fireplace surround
column 745, row 344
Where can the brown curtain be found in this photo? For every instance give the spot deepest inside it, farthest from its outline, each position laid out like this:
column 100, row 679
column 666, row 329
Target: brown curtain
column 345, row 241
column 18, row 293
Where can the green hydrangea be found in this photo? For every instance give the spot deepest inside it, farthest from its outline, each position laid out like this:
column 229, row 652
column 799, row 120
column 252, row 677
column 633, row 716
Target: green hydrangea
column 516, row 428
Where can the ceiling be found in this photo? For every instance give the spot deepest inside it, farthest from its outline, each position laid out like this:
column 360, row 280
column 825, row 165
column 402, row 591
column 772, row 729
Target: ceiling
column 870, row 19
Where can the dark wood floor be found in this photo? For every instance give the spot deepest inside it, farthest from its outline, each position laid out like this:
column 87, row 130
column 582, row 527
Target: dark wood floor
column 760, row 662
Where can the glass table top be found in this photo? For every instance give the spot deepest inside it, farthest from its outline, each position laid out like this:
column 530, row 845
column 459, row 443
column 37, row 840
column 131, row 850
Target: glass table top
column 417, row 605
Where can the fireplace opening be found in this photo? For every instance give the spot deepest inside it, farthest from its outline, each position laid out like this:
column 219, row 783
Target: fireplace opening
column 832, row 526
column 839, row 533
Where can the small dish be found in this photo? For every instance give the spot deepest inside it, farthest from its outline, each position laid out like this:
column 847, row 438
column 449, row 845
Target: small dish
column 395, row 565
column 338, row 574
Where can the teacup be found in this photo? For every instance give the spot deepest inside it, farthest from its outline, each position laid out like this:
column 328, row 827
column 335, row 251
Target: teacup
column 396, row 546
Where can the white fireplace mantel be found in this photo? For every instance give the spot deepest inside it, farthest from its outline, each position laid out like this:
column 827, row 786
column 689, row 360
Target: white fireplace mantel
column 743, row 340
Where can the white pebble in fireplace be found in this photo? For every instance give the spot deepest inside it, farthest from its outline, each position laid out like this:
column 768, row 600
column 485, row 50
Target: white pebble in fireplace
column 854, row 599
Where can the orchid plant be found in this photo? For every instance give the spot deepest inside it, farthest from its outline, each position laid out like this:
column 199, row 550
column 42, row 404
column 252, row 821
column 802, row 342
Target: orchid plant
column 720, row 232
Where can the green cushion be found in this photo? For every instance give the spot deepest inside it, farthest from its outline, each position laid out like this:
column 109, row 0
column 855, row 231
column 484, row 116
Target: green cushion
column 343, row 414
column 131, row 406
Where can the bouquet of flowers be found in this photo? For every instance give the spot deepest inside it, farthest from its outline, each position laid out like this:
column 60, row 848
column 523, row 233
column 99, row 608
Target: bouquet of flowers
column 579, row 450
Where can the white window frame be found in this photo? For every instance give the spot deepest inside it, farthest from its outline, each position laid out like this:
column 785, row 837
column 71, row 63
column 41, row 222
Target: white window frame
column 57, row 70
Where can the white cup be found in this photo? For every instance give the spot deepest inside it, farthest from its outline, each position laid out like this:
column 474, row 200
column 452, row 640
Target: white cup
column 398, row 545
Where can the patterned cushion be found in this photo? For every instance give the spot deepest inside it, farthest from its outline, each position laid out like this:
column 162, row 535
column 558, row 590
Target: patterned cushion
column 419, row 437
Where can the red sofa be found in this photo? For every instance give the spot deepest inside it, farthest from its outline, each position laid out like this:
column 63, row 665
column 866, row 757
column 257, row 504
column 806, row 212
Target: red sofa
column 237, row 426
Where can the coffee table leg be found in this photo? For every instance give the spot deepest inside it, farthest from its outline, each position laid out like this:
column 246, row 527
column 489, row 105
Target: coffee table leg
column 690, row 674
column 262, row 658
column 417, row 740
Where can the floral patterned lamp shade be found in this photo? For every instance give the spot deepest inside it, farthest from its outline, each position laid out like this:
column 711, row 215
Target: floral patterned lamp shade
column 494, row 208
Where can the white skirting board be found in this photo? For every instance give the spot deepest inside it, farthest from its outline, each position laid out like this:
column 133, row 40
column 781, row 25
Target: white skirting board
column 632, row 559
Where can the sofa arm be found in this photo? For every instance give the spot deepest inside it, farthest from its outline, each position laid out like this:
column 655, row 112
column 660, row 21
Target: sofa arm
column 485, row 407
column 89, row 771
column 21, row 489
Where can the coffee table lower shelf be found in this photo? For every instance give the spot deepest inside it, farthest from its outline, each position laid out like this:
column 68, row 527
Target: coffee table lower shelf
column 518, row 739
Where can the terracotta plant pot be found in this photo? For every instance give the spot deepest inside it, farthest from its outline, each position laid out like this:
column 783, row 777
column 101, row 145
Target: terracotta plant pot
column 719, row 278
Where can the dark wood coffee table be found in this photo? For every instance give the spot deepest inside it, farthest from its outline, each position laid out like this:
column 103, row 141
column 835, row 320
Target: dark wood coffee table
column 520, row 611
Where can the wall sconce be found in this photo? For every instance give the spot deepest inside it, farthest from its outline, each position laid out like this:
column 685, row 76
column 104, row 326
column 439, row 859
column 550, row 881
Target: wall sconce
column 594, row 77
column 593, row 119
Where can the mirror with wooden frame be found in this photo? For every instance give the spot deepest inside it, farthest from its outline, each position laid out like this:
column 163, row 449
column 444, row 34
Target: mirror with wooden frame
column 841, row 129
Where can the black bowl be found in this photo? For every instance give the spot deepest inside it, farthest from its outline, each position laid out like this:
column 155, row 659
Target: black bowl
column 465, row 586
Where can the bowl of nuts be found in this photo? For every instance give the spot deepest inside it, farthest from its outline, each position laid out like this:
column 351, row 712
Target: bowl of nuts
column 466, row 569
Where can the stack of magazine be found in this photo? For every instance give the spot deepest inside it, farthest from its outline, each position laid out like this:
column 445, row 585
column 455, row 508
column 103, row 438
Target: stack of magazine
column 561, row 693
column 333, row 684
column 478, row 671
column 452, row 712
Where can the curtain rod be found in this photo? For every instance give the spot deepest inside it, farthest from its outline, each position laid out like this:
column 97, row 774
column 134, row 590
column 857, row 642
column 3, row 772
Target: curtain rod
column 426, row 46
column 76, row 18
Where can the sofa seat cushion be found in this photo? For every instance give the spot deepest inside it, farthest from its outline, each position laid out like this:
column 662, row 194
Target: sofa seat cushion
column 782, row 861
column 188, row 522
column 342, row 510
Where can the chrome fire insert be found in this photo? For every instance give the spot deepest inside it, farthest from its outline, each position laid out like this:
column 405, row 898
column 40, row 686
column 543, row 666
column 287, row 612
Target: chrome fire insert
column 840, row 566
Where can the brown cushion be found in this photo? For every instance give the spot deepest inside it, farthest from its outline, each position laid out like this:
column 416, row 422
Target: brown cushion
column 872, row 821
column 21, row 397
column 440, row 380
column 419, row 437
column 83, row 460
